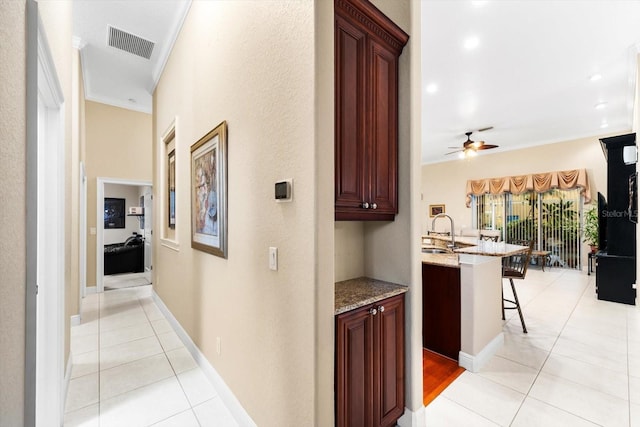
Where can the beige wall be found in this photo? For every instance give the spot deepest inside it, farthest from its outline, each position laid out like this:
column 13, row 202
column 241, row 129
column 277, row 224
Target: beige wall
column 258, row 75
column 118, row 145
column 13, row 227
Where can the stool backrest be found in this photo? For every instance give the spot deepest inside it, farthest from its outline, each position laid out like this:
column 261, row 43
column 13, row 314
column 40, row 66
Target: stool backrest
column 515, row 266
column 489, row 238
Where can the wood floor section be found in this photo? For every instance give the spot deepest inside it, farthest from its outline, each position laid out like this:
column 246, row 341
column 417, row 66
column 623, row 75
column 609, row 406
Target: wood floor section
column 437, row 373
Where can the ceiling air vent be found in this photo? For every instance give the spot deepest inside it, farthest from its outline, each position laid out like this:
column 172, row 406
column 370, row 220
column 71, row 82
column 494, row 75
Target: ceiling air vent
column 130, row 43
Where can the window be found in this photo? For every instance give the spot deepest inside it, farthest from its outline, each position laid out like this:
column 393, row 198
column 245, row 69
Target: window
column 551, row 219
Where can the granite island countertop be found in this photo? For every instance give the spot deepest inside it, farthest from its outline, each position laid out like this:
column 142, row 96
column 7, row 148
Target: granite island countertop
column 500, row 249
column 355, row 293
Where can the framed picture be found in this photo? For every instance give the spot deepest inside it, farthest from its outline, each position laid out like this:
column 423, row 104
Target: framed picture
column 171, row 160
column 435, row 210
column 209, row 192
column 113, row 213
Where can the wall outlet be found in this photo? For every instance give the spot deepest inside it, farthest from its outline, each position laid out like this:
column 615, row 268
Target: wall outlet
column 273, row 258
column 218, row 345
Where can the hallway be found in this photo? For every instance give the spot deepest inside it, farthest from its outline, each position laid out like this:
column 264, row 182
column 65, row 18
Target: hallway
column 131, row 369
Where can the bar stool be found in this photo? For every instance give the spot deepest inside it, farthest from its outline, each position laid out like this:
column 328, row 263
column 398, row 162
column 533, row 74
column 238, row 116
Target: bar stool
column 515, row 267
column 489, row 238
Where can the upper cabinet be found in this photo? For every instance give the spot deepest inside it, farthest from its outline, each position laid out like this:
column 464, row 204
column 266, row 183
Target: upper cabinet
column 367, row 48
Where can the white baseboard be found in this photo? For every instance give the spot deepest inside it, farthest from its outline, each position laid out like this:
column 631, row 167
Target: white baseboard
column 412, row 418
column 75, row 320
column 474, row 363
column 225, row 393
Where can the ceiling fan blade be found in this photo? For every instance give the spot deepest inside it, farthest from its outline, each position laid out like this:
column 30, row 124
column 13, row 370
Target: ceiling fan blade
column 485, row 129
column 453, row 152
column 486, row 147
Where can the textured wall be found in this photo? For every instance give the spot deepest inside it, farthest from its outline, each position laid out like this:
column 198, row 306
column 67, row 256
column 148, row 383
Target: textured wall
column 250, row 63
column 118, row 145
column 12, row 228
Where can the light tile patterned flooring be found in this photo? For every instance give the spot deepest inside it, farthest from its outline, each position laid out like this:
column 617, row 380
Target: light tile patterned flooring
column 131, row 369
column 579, row 365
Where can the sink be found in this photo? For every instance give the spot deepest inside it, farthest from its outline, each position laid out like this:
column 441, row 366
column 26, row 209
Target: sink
column 435, row 251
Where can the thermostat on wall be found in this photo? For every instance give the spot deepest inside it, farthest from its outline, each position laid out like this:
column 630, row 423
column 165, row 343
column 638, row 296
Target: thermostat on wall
column 284, row 190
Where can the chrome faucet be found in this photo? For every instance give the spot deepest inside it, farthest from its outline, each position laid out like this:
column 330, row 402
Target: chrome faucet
column 453, row 232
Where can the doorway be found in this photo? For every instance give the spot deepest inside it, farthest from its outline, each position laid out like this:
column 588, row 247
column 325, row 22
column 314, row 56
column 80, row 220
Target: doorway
column 132, row 191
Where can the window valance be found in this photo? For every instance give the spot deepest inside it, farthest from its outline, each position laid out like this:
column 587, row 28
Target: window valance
column 538, row 182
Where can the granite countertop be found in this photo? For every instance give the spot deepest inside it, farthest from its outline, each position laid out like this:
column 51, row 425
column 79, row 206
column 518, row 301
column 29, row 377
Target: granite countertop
column 460, row 240
column 355, row 293
column 500, row 249
column 448, row 260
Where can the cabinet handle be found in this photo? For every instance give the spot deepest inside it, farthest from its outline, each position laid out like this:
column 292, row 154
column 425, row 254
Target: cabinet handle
column 373, row 311
column 381, row 308
column 365, row 205
column 374, row 206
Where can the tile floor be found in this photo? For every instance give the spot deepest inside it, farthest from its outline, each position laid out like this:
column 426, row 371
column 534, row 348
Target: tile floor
column 579, row 365
column 131, row 369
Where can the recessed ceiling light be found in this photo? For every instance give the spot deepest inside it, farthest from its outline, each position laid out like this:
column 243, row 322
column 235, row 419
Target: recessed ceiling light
column 601, row 105
column 471, row 43
column 432, row 88
column 595, row 77
column 604, row 124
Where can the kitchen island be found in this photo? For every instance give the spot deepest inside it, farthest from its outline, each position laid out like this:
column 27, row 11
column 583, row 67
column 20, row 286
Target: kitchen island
column 465, row 288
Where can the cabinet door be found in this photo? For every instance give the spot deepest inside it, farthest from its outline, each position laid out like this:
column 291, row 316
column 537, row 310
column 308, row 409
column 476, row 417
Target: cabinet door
column 354, row 369
column 350, row 45
column 383, row 129
column 389, row 399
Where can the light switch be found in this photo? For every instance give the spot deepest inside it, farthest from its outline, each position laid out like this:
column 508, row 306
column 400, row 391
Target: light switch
column 273, row 258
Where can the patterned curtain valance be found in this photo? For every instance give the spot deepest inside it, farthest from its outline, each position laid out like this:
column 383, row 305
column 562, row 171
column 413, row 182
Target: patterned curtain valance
column 538, row 182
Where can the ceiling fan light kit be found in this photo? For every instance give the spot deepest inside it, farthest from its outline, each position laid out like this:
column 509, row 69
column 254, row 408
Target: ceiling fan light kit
column 470, row 148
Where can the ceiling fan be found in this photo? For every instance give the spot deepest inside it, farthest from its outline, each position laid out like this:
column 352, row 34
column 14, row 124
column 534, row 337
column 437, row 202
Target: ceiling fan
column 470, row 148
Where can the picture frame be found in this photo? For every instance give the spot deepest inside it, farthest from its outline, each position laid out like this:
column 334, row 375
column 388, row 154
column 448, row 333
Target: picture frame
column 436, row 210
column 114, row 213
column 209, row 192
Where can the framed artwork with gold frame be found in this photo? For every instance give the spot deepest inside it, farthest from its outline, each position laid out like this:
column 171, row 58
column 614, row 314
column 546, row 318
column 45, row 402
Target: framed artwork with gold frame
column 209, row 192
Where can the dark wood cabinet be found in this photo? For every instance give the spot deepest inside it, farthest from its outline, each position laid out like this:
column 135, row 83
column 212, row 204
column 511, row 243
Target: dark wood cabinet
column 616, row 264
column 367, row 48
column 441, row 310
column 370, row 364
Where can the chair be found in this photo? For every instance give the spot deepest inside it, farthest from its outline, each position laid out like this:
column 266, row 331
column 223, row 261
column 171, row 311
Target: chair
column 515, row 267
column 490, row 235
column 489, row 238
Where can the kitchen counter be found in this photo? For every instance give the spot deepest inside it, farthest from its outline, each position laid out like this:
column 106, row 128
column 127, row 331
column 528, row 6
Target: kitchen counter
column 354, row 293
column 499, row 249
column 460, row 240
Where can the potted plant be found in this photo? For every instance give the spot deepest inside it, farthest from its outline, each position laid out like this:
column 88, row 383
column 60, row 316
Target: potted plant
column 591, row 229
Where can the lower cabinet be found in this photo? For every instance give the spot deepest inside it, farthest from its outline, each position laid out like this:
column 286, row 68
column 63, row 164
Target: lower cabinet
column 615, row 277
column 441, row 324
column 370, row 364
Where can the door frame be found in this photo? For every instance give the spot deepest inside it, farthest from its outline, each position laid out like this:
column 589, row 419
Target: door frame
column 45, row 387
column 101, row 181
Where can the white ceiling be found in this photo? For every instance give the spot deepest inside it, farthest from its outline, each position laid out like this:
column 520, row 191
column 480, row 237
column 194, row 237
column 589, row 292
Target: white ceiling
column 116, row 77
column 528, row 77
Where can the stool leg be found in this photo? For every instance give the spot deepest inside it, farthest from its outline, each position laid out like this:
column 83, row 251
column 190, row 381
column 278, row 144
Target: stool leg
column 515, row 297
column 502, row 290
